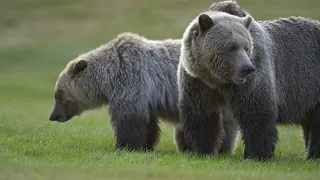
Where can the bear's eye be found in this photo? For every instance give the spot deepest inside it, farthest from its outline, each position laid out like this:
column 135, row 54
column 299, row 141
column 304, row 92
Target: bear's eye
column 246, row 48
column 58, row 94
column 233, row 47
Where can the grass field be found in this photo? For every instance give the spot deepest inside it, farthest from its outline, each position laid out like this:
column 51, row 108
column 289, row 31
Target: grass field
column 38, row 38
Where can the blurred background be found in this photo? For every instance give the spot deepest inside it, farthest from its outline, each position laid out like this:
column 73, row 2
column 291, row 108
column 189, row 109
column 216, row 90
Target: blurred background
column 39, row 37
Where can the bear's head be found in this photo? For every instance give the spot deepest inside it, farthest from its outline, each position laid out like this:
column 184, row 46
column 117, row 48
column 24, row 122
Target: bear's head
column 73, row 91
column 216, row 47
column 228, row 6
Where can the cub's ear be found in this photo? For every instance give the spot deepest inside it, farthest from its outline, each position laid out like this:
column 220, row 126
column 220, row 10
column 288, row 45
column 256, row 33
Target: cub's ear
column 247, row 21
column 205, row 22
column 79, row 66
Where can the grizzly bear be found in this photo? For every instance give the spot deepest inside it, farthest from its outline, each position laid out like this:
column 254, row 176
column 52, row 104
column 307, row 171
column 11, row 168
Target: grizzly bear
column 228, row 6
column 262, row 72
column 137, row 78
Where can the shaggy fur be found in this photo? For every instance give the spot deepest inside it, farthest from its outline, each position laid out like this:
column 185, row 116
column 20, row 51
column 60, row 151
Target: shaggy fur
column 262, row 72
column 136, row 77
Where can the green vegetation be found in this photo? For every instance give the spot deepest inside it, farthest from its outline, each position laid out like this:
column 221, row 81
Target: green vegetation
column 38, row 38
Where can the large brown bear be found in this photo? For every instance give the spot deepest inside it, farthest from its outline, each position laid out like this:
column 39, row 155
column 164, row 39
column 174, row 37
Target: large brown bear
column 137, row 78
column 262, row 72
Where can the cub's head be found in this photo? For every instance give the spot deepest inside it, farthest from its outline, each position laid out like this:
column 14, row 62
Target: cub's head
column 72, row 92
column 216, row 47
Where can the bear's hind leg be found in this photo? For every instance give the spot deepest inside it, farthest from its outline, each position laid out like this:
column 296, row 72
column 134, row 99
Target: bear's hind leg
column 153, row 134
column 314, row 141
column 306, row 134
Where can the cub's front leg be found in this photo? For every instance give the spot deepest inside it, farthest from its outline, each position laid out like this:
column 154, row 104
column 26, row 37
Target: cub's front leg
column 131, row 120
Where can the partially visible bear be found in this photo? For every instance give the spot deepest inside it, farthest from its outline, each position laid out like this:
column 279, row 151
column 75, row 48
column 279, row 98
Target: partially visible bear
column 263, row 72
column 137, row 78
column 228, row 6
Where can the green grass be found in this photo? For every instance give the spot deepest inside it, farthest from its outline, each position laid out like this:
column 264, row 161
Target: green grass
column 38, row 38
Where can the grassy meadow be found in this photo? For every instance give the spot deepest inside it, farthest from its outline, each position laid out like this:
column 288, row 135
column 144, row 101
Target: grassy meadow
column 39, row 37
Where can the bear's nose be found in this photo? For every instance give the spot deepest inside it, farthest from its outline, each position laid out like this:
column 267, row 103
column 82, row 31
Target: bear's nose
column 53, row 117
column 247, row 69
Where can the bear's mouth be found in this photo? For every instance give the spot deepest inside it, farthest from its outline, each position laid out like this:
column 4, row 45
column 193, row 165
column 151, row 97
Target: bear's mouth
column 65, row 119
column 239, row 80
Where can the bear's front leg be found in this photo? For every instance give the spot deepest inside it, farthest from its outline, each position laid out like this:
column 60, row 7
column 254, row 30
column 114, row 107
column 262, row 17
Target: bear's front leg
column 130, row 123
column 201, row 123
column 179, row 138
column 230, row 133
column 152, row 137
column 257, row 114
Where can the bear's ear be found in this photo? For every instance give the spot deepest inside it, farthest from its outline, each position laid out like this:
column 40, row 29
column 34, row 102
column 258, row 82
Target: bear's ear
column 247, row 21
column 205, row 22
column 79, row 66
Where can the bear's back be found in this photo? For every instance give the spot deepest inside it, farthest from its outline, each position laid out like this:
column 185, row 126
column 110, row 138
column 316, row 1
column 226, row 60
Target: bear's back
column 134, row 47
column 295, row 53
column 152, row 64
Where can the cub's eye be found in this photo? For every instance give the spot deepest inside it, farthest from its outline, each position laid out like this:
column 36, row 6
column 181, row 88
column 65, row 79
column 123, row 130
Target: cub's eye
column 58, row 94
column 246, row 48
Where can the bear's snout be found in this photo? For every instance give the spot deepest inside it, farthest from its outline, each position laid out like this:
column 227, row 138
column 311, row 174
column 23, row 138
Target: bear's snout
column 247, row 69
column 242, row 72
column 54, row 117
column 60, row 116
column 58, row 113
